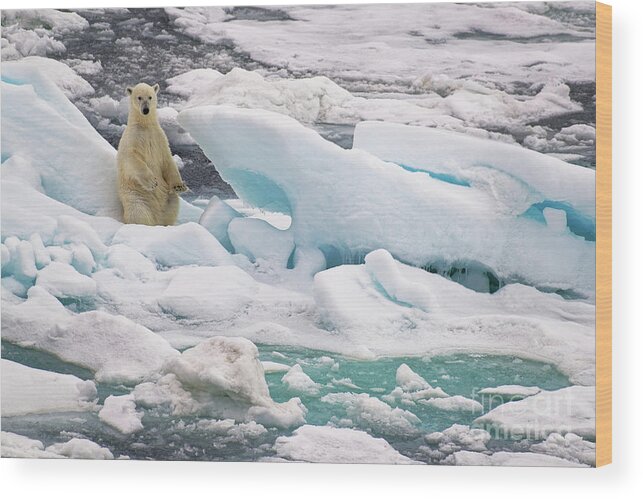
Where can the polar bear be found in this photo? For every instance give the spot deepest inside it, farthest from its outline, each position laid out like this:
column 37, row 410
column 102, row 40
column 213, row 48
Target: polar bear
column 148, row 180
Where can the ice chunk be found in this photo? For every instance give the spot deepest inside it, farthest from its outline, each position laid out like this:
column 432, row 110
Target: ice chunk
column 225, row 293
column 187, row 244
column 82, row 173
column 82, row 259
column 325, row 444
column 186, row 84
column 273, row 162
column 72, row 230
column 562, row 411
column 80, row 448
column 569, row 446
column 63, row 281
column 408, row 380
column 513, row 392
column 120, row 412
column 258, row 239
column 41, row 255
column 14, row 445
column 116, row 349
column 26, row 211
column 22, row 262
column 298, row 381
column 468, row 458
column 448, row 153
column 394, row 307
column 376, row 416
column 216, row 218
column 458, row 437
column 456, row 403
column 65, row 78
column 274, row 367
column 220, row 377
column 26, row 390
column 128, row 261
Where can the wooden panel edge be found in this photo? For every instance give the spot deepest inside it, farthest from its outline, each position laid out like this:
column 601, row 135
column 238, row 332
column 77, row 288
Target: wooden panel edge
column 603, row 234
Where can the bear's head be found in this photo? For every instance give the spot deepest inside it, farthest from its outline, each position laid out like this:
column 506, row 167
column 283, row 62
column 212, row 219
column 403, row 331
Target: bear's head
column 142, row 99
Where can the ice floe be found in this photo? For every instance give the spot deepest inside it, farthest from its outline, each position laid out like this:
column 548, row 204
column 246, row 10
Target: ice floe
column 568, row 410
column 325, row 444
column 26, row 390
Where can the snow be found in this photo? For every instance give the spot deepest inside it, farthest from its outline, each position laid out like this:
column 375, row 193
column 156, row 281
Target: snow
column 120, row 412
column 220, row 377
column 444, row 152
column 568, row 410
column 185, row 244
column 298, row 381
column 63, row 281
column 468, row 458
column 513, row 392
column 258, row 239
column 569, row 446
column 116, row 349
column 325, row 444
column 417, row 218
column 80, row 448
column 26, row 390
column 371, row 414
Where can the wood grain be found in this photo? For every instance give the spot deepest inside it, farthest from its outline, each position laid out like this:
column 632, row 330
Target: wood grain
column 603, row 234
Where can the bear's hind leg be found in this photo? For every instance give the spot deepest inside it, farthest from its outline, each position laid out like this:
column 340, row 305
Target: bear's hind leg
column 171, row 211
column 137, row 211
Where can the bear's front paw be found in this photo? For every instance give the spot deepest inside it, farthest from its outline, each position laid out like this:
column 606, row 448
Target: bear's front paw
column 150, row 184
column 180, row 187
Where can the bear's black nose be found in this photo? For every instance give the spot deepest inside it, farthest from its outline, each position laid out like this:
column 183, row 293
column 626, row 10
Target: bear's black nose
column 146, row 110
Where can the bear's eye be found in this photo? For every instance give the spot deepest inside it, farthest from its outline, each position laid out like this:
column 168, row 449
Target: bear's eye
column 139, row 97
column 150, row 97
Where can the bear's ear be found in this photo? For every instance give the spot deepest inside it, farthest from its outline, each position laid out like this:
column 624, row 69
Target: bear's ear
column 156, row 88
column 129, row 90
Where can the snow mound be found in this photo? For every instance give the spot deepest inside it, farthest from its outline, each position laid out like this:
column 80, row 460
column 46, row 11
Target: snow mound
column 26, row 390
column 325, row 444
column 220, row 377
column 568, row 410
column 187, row 84
column 275, row 163
column 455, row 438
